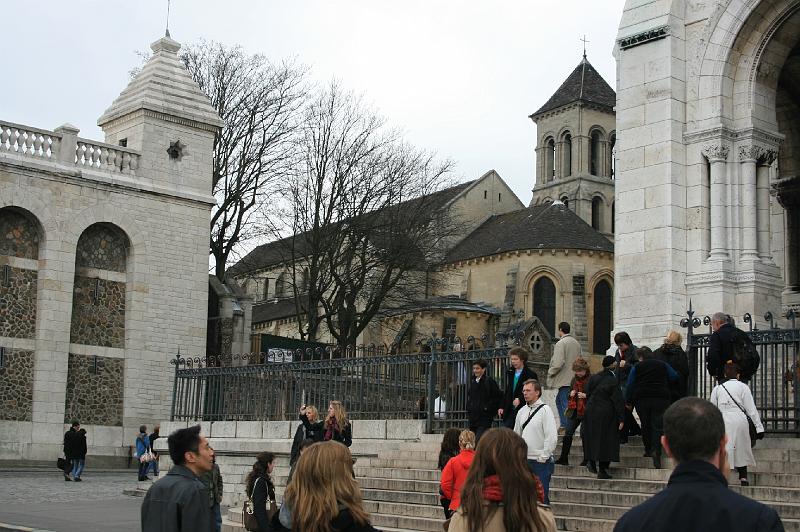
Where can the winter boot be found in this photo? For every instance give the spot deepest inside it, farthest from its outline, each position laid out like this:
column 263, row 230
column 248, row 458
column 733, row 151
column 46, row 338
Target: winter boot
column 566, row 445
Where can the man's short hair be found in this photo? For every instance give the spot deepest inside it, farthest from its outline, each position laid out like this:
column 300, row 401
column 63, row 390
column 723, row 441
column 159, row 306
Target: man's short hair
column 481, row 362
column 75, row 423
column 142, row 428
column 563, row 327
column 644, row 353
column 720, row 317
column 694, row 429
column 536, row 385
column 519, row 352
column 182, row 441
column 622, row 338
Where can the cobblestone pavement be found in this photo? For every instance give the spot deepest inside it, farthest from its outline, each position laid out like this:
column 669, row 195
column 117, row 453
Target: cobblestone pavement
column 43, row 500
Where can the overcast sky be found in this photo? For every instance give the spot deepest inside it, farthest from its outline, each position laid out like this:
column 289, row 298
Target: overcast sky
column 459, row 77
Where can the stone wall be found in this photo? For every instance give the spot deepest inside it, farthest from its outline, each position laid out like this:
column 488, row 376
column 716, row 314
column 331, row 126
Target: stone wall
column 102, row 246
column 18, row 235
column 16, row 385
column 94, row 390
column 98, row 312
column 18, row 303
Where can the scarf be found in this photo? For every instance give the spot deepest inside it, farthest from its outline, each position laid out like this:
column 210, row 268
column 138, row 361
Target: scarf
column 578, row 405
column 493, row 490
column 331, row 428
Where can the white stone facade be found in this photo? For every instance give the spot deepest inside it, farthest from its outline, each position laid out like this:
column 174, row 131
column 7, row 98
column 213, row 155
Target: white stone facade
column 161, row 203
column 705, row 138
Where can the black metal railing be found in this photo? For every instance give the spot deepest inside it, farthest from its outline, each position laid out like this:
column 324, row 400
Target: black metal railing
column 264, row 386
column 775, row 384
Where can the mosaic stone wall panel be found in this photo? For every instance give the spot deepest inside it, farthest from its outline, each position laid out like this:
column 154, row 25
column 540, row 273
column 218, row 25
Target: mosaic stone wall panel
column 16, row 385
column 18, row 303
column 18, row 235
column 104, row 247
column 98, row 312
column 95, row 397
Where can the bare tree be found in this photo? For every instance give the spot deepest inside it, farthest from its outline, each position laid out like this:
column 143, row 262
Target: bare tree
column 261, row 104
column 363, row 209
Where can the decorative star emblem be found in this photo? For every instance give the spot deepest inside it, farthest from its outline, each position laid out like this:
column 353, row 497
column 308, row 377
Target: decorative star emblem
column 176, row 150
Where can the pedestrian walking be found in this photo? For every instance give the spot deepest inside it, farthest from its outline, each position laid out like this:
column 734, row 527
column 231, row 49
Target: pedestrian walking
column 735, row 400
column 500, row 493
column 729, row 343
column 516, row 375
column 673, row 354
column 697, row 497
column 143, row 452
column 648, row 390
column 626, row 359
column 178, row 502
column 337, row 426
column 75, row 450
column 324, row 494
column 455, row 472
column 603, row 419
column 448, row 449
column 213, row 481
column 537, row 426
column 260, row 489
column 559, row 374
column 152, row 438
column 576, row 408
column 483, row 399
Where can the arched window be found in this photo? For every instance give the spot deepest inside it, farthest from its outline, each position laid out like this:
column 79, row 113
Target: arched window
column 565, row 201
column 549, row 160
column 567, row 155
column 597, row 212
column 544, row 303
column 20, row 236
column 594, row 153
column 603, row 317
column 612, row 151
column 280, row 286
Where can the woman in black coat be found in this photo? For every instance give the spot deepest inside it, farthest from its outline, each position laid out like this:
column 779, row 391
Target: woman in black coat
column 603, row 419
column 673, row 354
column 311, row 428
column 516, row 376
column 261, row 490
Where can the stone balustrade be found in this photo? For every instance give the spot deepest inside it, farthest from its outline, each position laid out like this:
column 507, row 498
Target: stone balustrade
column 65, row 147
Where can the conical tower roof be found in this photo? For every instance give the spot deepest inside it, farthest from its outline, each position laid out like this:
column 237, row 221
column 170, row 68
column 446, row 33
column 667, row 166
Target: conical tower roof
column 583, row 84
column 165, row 86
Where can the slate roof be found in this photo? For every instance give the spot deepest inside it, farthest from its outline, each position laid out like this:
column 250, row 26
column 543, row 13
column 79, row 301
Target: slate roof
column 273, row 310
column 551, row 226
column 279, row 251
column 443, row 303
column 584, row 84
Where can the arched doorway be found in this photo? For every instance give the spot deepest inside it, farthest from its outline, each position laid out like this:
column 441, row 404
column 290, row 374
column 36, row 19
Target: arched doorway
column 603, row 317
column 544, row 303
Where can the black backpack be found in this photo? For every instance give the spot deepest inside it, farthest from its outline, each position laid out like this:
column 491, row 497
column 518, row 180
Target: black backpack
column 745, row 354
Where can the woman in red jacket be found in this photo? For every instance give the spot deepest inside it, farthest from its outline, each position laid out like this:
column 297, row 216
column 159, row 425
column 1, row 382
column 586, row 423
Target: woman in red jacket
column 455, row 472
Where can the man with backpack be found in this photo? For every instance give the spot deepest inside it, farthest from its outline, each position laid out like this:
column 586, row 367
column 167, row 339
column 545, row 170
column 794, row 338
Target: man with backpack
column 730, row 343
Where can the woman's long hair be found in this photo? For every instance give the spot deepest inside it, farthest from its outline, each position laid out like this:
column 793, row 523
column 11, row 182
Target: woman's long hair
column 339, row 413
column 322, row 481
column 502, row 452
column 260, row 470
column 450, row 442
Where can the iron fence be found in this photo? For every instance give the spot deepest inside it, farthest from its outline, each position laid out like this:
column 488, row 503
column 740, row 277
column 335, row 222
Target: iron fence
column 264, row 386
column 775, row 384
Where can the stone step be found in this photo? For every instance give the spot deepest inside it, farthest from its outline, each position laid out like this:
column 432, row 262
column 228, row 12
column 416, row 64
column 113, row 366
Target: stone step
column 429, row 475
column 400, row 521
column 406, row 497
column 405, row 509
column 417, row 486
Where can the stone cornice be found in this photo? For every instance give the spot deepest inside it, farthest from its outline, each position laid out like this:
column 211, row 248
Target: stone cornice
column 144, row 111
column 645, row 36
column 762, row 137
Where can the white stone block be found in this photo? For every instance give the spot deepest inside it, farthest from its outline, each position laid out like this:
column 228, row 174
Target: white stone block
column 369, row 428
column 249, row 429
column 223, row 429
column 404, row 429
column 273, row 430
column 168, row 427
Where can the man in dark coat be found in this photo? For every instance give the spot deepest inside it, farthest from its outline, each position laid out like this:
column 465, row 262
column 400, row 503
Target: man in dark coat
column 626, row 359
column 75, row 452
column 697, row 497
column 516, row 376
column 179, row 502
column 720, row 345
column 483, row 399
column 603, row 419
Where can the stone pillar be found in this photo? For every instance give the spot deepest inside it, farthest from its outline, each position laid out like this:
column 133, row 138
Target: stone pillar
column 789, row 198
column 762, row 204
column 69, row 143
column 717, row 155
column 748, row 156
column 558, row 159
column 540, row 166
column 602, row 163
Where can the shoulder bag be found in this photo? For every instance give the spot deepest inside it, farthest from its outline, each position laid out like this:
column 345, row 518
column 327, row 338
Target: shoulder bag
column 750, row 425
column 248, row 511
column 522, row 429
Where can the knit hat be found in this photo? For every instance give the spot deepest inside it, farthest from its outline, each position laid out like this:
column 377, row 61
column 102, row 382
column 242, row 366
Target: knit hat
column 608, row 360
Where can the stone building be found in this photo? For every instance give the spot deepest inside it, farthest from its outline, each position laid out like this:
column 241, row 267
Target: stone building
column 708, row 157
column 104, row 257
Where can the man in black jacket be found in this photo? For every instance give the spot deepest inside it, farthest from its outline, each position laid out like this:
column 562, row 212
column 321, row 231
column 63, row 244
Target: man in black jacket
column 720, row 345
column 697, row 497
column 75, row 451
column 483, row 399
column 179, row 502
column 516, row 375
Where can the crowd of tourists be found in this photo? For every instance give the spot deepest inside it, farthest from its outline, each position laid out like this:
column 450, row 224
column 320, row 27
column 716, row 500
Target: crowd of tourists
column 497, row 479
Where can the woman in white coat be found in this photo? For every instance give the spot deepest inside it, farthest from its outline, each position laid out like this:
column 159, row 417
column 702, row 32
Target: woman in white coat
column 728, row 396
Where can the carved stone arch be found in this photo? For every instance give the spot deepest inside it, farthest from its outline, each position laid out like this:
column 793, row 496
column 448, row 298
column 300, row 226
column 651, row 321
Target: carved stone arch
column 599, row 129
column 37, row 210
column 604, row 274
column 533, row 275
column 545, row 200
column 21, row 233
column 548, row 135
column 107, row 214
column 564, row 131
column 602, row 196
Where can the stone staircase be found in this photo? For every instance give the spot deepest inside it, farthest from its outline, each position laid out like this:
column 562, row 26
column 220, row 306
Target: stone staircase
column 400, row 486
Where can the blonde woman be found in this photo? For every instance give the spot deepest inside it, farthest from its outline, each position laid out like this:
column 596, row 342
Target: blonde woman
column 455, row 472
column 337, row 426
column 323, row 495
column 310, row 429
column 673, row 354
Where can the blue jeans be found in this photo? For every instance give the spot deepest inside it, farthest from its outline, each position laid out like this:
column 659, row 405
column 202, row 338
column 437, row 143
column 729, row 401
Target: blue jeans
column 154, row 466
column 543, row 471
column 217, row 516
column 77, row 467
column 562, row 400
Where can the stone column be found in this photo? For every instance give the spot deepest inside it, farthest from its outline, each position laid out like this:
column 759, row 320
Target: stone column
column 762, row 204
column 789, row 198
column 558, row 159
column 747, row 157
column 717, row 155
column 540, row 166
column 602, row 166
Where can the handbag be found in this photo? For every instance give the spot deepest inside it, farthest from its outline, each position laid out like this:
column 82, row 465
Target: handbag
column 750, row 425
column 148, row 456
column 62, row 464
column 249, row 515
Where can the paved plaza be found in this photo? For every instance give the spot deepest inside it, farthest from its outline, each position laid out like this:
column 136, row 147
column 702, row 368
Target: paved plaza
column 43, row 500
